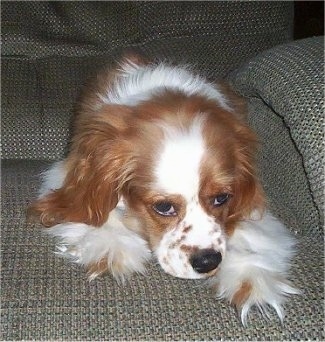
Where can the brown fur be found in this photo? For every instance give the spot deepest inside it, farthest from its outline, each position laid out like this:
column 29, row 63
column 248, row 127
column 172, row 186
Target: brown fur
column 241, row 295
column 112, row 154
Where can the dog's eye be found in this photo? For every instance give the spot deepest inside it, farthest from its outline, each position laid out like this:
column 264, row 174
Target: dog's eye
column 164, row 208
column 220, row 199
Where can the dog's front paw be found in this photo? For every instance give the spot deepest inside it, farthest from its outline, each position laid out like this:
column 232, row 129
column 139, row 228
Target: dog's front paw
column 264, row 291
column 126, row 256
column 114, row 249
column 254, row 271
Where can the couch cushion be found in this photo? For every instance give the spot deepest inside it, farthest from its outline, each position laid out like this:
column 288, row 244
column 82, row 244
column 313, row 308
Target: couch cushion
column 45, row 298
column 287, row 82
column 39, row 29
column 50, row 48
column 37, row 102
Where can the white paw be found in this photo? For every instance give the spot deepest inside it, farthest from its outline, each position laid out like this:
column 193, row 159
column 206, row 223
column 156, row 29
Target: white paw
column 111, row 248
column 263, row 290
column 254, row 270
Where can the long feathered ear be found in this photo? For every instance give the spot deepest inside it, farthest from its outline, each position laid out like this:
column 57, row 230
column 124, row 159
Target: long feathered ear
column 248, row 193
column 95, row 170
column 248, row 196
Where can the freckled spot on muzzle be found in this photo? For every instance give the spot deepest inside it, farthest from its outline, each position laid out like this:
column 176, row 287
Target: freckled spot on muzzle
column 187, row 229
column 189, row 249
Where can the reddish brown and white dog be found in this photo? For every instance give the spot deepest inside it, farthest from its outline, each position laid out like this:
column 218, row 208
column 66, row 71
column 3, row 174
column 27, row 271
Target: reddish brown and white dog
column 162, row 162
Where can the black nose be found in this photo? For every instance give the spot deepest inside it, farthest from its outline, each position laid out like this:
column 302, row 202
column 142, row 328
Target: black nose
column 205, row 260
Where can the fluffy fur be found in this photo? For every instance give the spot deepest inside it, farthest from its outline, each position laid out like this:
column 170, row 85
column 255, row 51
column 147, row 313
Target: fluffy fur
column 162, row 163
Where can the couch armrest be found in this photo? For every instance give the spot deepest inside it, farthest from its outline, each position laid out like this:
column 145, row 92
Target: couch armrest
column 284, row 85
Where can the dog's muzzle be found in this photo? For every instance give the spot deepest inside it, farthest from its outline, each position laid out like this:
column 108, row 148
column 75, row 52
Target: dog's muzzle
column 190, row 262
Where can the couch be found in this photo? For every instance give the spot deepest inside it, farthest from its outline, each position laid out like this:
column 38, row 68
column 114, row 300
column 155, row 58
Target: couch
column 48, row 51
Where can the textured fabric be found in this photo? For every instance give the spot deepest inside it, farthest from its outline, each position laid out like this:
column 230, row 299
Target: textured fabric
column 289, row 80
column 288, row 192
column 39, row 29
column 45, row 298
column 50, row 48
column 37, row 102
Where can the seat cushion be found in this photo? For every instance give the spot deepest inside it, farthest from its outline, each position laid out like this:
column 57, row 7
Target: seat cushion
column 46, row 298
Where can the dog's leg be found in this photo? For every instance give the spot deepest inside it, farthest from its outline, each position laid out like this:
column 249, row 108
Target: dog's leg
column 52, row 178
column 255, row 268
column 111, row 248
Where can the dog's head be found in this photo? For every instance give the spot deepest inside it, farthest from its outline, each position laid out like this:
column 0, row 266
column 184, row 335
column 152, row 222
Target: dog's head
column 184, row 166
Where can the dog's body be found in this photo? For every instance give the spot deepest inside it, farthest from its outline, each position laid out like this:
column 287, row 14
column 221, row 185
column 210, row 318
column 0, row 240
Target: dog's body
column 162, row 161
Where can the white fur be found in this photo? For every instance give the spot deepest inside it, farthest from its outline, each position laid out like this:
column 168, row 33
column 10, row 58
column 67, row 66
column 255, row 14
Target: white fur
column 138, row 83
column 52, row 178
column 178, row 164
column 258, row 252
column 204, row 233
column 177, row 171
column 126, row 251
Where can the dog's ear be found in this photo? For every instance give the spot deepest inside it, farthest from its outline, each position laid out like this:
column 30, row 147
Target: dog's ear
column 97, row 166
column 248, row 194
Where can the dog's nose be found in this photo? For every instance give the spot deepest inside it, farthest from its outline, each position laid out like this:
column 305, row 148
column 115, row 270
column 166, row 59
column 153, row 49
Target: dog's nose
column 205, row 260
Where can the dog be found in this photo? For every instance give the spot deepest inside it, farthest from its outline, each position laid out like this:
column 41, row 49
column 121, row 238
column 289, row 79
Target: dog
column 162, row 163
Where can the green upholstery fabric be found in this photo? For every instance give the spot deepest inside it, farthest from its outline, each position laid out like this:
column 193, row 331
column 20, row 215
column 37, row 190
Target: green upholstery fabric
column 96, row 28
column 45, row 298
column 48, row 50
